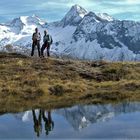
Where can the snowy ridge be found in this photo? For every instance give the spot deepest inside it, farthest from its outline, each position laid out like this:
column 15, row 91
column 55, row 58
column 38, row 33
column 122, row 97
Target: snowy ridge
column 105, row 16
column 79, row 35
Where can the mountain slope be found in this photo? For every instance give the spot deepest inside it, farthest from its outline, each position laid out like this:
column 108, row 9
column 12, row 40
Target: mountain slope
column 79, row 35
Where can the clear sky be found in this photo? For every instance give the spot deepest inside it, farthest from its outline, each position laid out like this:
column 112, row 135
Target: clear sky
column 52, row 10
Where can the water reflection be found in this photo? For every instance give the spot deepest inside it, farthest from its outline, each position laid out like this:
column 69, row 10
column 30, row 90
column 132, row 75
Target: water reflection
column 47, row 119
column 49, row 124
column 82, row 121
column 82, row 116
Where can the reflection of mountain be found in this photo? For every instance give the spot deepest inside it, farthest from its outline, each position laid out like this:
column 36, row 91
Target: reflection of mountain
column 81, row 116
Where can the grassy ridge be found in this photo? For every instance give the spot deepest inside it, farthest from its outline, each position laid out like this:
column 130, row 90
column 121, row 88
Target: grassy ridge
column 27, row 83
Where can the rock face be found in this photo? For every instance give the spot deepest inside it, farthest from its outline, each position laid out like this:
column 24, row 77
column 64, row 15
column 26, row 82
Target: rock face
column 79, row 35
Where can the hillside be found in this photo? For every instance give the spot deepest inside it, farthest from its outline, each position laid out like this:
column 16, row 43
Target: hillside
column 51, row 83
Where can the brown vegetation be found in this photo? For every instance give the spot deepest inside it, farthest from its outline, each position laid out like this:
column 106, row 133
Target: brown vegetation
column 27, row 83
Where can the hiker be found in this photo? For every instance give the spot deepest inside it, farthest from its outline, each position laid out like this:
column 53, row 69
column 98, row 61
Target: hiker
column 49, row 124
column 37, row 122
column 47, row 41
column 36, row 41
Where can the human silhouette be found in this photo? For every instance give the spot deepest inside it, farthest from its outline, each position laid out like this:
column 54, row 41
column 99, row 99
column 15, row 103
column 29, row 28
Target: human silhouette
column 47, row 39
column 36, row 37
column 49, row 124
column 37, row 122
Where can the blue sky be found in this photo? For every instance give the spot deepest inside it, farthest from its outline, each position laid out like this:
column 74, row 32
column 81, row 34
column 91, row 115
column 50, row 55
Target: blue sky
column 52, row 10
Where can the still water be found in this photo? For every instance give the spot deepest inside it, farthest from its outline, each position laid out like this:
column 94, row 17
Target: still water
column 83, row 121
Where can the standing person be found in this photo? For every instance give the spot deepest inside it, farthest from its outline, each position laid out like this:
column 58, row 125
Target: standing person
column 49, row 124
column 36, row 41
column 37, row 122
column 47, row 39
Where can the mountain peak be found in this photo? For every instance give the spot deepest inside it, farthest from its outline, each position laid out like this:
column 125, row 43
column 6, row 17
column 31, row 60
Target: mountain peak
column 31, row 20
column 74, row 16
column 24, row 20
column 79, row 10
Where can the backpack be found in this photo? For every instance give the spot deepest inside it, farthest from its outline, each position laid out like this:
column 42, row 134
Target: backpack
column 50, row 39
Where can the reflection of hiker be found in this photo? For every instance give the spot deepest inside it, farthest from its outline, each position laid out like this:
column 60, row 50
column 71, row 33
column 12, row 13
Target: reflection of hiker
column 36, row 41
column 49, row 124
column 37, row 122
column 47, row 39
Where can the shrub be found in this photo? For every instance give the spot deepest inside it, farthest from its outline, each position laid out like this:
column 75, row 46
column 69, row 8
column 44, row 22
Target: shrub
column 114, row 73
column 57, row 90
column 132, row 86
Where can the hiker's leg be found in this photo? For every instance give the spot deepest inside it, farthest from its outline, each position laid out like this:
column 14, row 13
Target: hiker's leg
column 40, row 115
column 33, row 47
column 49, row 116
column 34, row 116
column 48, row 50
column 44, row 117
column 38, row 47
column 42, row 50
column 50, row 120
column 40, row 119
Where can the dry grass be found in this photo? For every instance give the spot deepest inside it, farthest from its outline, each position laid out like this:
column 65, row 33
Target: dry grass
column 27, row 83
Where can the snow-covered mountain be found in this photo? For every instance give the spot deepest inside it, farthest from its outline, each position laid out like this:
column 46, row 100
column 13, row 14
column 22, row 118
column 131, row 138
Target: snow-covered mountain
column 79, row 35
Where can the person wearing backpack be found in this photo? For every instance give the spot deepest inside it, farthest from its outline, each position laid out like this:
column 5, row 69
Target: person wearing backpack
column 47, row 41
column 36, row 37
